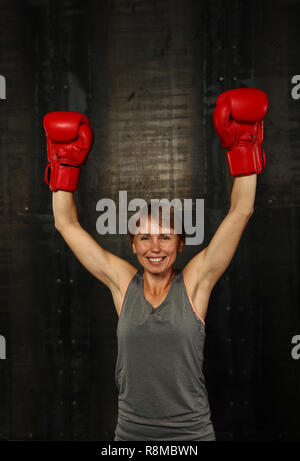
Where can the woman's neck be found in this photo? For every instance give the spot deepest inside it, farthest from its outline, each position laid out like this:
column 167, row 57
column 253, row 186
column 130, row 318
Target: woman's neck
column 156, row 284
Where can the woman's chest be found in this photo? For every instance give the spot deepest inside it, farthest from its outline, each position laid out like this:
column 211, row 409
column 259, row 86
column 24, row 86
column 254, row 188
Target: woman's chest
column 155, row 299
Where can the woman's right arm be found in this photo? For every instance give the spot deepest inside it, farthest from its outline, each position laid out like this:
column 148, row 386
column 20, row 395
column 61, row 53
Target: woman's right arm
column 113, row 271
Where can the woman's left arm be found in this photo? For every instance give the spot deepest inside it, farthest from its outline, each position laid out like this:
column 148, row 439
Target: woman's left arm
column 212, row 261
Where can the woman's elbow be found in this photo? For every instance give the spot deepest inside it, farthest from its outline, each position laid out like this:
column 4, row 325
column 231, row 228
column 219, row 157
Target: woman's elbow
column 246, row 212
column 64, row 226
column 250, row 212
column 58, row 226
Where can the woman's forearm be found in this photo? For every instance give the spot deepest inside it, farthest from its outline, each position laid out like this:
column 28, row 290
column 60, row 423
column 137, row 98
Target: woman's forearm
column 64, row 209
column 243, row 194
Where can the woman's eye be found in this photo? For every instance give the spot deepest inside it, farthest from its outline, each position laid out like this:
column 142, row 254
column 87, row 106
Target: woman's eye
column 166, row 237
column 144, row 238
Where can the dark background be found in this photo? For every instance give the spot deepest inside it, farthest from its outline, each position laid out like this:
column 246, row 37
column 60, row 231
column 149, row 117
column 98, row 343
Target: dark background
column 147, row 73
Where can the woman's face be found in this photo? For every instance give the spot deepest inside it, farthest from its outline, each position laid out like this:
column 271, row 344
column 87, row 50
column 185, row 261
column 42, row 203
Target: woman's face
column 157, row 252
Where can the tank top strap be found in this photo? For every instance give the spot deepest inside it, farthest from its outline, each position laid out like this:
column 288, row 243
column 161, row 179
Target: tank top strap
column 134, row 282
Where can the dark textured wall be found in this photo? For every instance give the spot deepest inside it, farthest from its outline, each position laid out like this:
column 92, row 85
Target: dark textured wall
column 147, row 73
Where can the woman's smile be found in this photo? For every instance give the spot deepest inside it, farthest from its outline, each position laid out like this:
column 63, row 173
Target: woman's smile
column 156, row 260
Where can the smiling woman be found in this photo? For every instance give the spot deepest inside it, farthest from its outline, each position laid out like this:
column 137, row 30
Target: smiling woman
column 156, row 252
column 161, row 329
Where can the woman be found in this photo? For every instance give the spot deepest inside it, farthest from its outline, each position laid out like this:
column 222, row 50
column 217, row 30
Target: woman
column 162, row 394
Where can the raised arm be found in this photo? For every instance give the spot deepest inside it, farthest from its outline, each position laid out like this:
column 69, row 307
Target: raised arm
column 212, row 262
column 69, row 140
column 238, row 119
column 113, row 271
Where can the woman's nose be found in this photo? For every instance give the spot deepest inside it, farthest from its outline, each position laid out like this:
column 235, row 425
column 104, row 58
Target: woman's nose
column 155, row 244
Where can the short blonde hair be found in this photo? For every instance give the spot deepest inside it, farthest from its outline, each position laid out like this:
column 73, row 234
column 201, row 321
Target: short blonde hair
column 172, row 223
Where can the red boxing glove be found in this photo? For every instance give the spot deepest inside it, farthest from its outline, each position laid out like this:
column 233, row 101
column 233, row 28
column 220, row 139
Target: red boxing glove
column 69, row 140
column 238, row 119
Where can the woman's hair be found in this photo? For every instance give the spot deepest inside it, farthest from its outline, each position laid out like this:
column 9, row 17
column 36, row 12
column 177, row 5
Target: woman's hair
column 174, row 221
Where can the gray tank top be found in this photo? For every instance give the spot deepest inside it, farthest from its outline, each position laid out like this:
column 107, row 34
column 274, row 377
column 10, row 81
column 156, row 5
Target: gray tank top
column 162, row 393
